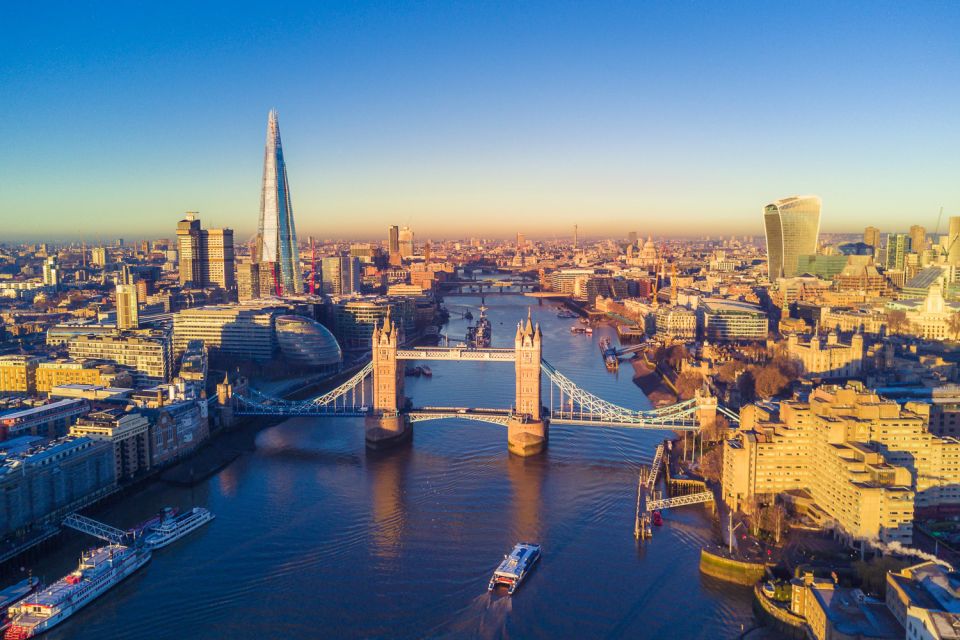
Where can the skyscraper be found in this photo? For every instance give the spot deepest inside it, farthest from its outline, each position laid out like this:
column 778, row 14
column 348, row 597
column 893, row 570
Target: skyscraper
column 276, row 251
column 406, row 242
column 918, row 238
column 792, row 226
column 206, row 255
column 898, row 245
column 340, row 275
column 394, row 246
column 871, row 236
column 128, row 312
column 953, row 242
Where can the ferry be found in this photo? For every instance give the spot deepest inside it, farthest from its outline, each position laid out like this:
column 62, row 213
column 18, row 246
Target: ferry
column 99, row 570
column 172, row 528
column 10, row 596
column 515, row 566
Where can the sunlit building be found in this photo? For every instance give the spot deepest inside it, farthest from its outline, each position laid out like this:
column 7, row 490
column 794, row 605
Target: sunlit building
column 308, row 344
column 792, row 227
column 277, row 252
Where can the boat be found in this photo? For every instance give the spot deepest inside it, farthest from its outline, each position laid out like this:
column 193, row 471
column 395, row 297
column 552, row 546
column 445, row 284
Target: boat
column 10, row 596
column 588, row 331
column 172, row 528
column 99, row 570
column 427, row 371
column 480, row 334
column 468, row 316
column 515, row 566
column 657, row 518
column 412, row 371
column 609, row 353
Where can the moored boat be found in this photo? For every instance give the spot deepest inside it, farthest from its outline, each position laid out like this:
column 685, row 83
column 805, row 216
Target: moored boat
column 99, row 570
column 172, row 528
column 13, row 594
column 515, row 566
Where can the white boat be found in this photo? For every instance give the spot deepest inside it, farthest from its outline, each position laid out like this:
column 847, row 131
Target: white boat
column 515, row 566
column 12, row 595
column 172, row 528
column 99, row 570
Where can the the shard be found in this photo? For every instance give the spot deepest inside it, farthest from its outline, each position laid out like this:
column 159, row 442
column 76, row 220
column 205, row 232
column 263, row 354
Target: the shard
column 277, row 252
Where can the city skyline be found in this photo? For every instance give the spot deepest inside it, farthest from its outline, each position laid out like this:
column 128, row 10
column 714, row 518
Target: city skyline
column 404, row 116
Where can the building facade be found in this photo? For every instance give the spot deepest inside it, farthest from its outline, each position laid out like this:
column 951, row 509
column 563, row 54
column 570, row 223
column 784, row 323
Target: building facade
column 792, row 227
column 148, row 355
column 206, row 255
column 276, row 251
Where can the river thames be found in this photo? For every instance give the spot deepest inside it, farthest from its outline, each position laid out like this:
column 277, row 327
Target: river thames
column 317, row 537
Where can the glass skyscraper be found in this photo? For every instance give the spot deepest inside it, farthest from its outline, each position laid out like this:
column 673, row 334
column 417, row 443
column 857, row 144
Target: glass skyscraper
column 792, row 226
column 276, row 235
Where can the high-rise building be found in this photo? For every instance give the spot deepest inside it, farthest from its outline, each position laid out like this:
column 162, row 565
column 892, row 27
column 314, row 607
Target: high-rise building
column 918, row 238
column 792, row 226
column 576, row 239
column 406, row 242
column 632, row 238
column 206, row 255
column 898, row 245
column 51, row 272
column 953, row 242
column 521, row 241
column 98, row 256
column 248, row 281
column 871, row 236
column 277, row 252
column 394, row 240
column 340, row 275
column 128, row 312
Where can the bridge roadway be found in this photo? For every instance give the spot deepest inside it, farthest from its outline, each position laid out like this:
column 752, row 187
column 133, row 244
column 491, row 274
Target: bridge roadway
column 456, row 353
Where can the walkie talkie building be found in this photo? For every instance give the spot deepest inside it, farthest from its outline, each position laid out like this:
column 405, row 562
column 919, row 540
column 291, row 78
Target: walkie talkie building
column 792, row 226
column 277, row 252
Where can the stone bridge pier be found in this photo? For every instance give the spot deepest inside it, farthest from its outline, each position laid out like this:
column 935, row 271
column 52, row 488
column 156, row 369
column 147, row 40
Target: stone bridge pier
column 528, row 429
column 387, row 425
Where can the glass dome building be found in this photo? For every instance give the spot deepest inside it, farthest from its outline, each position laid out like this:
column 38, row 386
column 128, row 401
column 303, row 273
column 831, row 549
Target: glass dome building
column 307, row 343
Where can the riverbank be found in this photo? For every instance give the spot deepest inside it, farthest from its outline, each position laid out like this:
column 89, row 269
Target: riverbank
column 646, row 376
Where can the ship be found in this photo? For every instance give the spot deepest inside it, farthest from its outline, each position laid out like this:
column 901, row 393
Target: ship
column 10, row 596
column 515, row 566
column 609, row 353
column 99, row 570
column 480, row 334
column 173, row 527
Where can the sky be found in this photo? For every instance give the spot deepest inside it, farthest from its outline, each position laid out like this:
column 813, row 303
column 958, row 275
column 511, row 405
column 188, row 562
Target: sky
column 479, row 118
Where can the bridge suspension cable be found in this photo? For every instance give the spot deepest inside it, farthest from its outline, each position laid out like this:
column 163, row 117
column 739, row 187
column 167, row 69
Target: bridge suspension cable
column 339, row 401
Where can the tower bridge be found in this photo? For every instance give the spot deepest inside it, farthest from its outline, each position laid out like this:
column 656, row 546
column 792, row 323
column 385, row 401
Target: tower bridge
column 389, row 415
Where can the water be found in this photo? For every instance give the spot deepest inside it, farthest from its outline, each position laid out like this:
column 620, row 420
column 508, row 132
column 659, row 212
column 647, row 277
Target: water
column 317, row 537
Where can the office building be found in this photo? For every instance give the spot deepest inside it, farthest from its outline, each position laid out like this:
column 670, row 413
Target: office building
column 206, row 255
column 45, row 482
column 128, row 308
column 276, row 251
column 676, row 322
column 248, row 281
column 99, row 256
column 871, row 236
column 307, row 344
column 237, row 332
column 53, row 373
column 732, row 321
column 405, row 242
column 393, row 247
column 148, row 355
column 51, row 420
column 354, row 317
column 897, row 247
column 918, row 239
column 792, row 227
column 340, row 275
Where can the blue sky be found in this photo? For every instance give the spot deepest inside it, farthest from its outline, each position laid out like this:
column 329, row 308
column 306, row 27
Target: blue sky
column 487, row 118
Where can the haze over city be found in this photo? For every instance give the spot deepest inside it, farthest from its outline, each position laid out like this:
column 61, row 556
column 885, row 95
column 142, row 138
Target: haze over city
column 478, row 119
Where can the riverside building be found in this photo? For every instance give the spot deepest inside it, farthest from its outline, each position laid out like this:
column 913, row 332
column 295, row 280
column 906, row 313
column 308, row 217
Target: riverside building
column 860, row 463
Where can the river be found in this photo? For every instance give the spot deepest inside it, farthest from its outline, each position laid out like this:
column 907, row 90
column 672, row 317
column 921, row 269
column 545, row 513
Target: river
column 317, row 537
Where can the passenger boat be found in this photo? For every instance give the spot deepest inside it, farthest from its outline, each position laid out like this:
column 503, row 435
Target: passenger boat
column 172, row 528
column 515, row 566
column 427, row 371
column 10, row 596
column 99, row 570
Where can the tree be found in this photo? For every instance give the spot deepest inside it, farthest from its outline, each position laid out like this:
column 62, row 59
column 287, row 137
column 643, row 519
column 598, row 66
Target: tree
column 747, row 386
column 897, row 321
column 676, row 354
column 953, row 322
column 688, row 383
column 711, row 464
column 776, row 521
column 729, row 371
column 770, row 381
column 717, row 431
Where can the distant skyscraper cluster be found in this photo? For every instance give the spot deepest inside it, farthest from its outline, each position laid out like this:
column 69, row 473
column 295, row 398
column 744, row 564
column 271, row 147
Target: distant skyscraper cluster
column 276, row 251
column 792, row 226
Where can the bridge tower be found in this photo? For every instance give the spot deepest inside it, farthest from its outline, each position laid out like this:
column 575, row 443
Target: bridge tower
column 706, row 408
column 387, row 424
column 527, row 430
